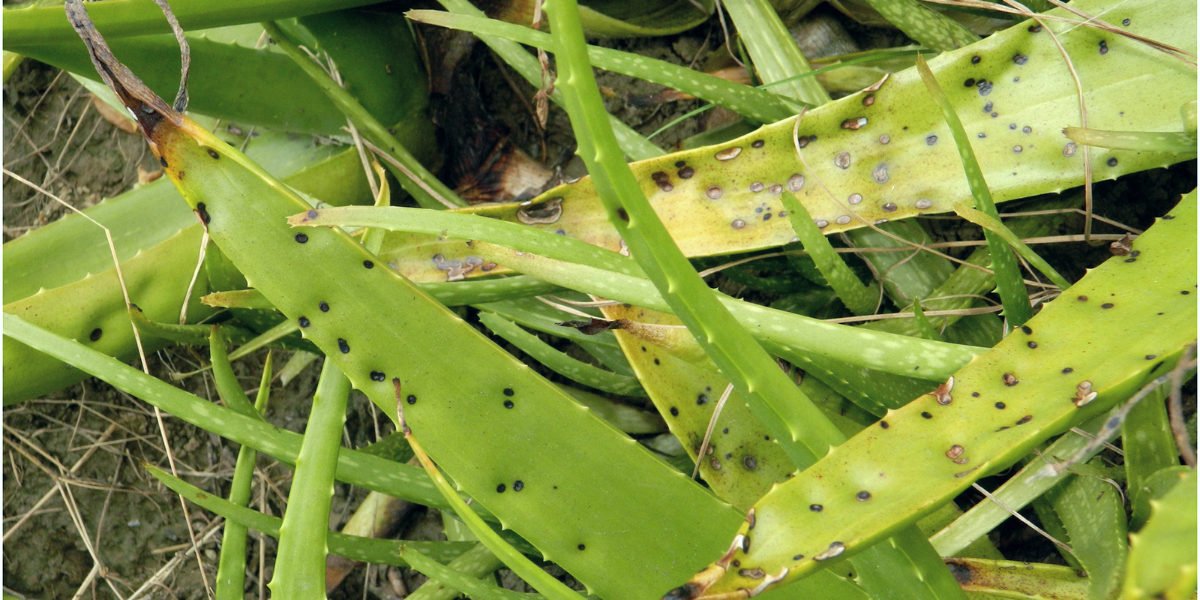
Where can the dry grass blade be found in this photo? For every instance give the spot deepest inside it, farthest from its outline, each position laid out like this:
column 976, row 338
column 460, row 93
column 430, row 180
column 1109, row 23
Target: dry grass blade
column 1175, row 407
column 181, row 96
column 712, row 424
column 1022, row 518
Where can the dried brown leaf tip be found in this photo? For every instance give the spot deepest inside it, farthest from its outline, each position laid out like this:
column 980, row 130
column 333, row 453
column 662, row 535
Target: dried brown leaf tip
column 145, row 105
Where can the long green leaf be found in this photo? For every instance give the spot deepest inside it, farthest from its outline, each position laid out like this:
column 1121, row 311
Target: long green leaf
column 993, row 225
column 561, row 363
column 1093, row 514
column 300, row 559
column 46, row 24
column 231, row 570
column 1162, row 558
column 382, row 552
column 860, row 299
column 1009, row 283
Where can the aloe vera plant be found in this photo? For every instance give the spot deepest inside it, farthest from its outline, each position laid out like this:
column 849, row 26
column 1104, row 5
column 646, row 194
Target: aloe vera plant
column 814, row 487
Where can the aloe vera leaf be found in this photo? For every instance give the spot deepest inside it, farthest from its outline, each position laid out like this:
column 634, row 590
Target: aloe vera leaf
column 1009, row 283
column 487, row 290
column 180, row 334
column 874, row 391
column 741, row 463
column 585, row 457
column 450, row 294
column 97, row 315
column 928, row 28
column 464, row 226
column 923, row 323
column 1152, row 488
column 476, row 562
column 226, row 381
column 916, row 159
column 773, row 51
column 274, row 334
column 518, row 563
column 948, row 513
column 418, row 181
column 233, row 81
column 248, row 299
column 535, row 314
column 300, row 559
column 231, row 569
column 1188, row 112
column 1148, row 444
column 874, row 388
column 1145, row 141
column 752, row 102
column 860, row 299
column 12, row 60
column 1093, row 514
column 992, row 224
column 1011, row 579
column 124, row 18
column 476, row 588
column 383, row 552
column 296, row 365
column 616, row 19
column 632, row 143
column 1116, row 306
column 1162, row 557
column 607, row 274
column 560, row 363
